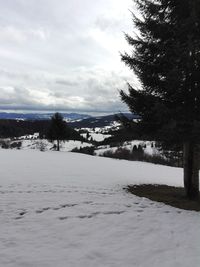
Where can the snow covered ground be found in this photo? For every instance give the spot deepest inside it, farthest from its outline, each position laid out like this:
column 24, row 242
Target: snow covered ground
column 44, row 144
column 146, row 145
column 61, row 209
column 96, row 135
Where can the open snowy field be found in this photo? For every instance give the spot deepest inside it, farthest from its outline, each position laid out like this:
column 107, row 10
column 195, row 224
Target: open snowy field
column 61, row 209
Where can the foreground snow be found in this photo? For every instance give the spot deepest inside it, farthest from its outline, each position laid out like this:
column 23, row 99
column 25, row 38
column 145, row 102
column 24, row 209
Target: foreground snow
column 68, row 209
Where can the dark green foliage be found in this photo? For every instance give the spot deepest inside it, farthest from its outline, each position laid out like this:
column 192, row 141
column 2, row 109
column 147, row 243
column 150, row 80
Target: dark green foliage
column 166, row 59
column 14, row 128
column 58, row 130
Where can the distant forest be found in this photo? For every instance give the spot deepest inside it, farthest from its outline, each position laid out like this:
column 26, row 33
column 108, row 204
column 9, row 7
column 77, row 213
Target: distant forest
column 17, row 128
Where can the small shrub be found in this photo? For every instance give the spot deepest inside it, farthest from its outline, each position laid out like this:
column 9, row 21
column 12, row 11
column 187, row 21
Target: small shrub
column 16, row 145
column 53, row 147
column 5, row 144
column 89, row 150
column 137, row 154
column 42, row 146
column 119, row 153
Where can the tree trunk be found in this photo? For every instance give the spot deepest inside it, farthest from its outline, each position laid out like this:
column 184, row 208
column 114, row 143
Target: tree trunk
column 58, row 145
column 191, row 170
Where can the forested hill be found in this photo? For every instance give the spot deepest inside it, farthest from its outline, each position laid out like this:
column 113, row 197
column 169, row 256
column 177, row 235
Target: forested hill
column 100, row 121
column 16, row 128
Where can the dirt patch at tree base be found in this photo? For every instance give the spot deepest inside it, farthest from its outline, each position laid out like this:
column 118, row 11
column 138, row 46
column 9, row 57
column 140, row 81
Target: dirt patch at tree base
column 170, row 195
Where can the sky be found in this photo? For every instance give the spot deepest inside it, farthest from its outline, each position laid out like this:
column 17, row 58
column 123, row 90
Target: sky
column 64, row 55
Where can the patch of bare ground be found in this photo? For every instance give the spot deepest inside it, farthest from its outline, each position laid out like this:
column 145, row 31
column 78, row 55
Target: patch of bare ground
column 170, row 195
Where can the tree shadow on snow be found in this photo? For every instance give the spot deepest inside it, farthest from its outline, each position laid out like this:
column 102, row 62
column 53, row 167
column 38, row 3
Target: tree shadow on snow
column 170, row 195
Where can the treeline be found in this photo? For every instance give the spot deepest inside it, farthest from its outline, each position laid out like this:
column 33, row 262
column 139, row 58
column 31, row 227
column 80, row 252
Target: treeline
column 17, row 128
column 118, row 137
column 169, row 158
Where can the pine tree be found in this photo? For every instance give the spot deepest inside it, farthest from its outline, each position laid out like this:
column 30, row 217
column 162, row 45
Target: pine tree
column 166, row 60
column 58, row 130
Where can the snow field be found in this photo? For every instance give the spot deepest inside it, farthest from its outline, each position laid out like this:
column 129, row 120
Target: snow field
column 67, row 209
column 46, row 145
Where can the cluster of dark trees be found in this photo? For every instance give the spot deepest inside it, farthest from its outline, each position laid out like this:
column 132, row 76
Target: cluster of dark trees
column 166, row 59
column 166, row 157
column 89, row 150
column 16, row 128
column 54, row 129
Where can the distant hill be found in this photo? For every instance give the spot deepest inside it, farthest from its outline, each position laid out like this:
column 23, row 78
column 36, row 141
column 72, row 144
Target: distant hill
column 14, row 124
column 16, row 128
column 100, row 121
column 41, row 116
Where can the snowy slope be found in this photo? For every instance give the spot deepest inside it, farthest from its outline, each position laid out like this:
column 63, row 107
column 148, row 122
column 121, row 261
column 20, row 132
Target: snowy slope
column 46, row 145
column 146, row 145
column 62, row 209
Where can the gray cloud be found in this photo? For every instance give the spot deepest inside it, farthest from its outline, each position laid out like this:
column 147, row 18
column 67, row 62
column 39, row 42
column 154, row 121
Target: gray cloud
column 63, row 56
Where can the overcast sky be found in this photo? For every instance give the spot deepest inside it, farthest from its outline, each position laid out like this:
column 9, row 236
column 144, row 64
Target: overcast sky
column 63, row 54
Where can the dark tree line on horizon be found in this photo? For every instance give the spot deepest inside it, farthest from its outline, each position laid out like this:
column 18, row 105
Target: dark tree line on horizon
column 18, row 128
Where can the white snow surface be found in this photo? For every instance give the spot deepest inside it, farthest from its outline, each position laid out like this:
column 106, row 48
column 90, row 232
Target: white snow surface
column 47, row 145
column 99, row 136
column 61, row 209
column 96, row 136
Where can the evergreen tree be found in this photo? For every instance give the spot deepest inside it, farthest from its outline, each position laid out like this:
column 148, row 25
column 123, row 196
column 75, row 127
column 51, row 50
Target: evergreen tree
column 166, row 60
column 58, row 130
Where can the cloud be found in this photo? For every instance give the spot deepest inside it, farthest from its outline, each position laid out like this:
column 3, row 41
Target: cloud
column 83, row 89
column 66, row 82
column 19, row 36
column 63, row 56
